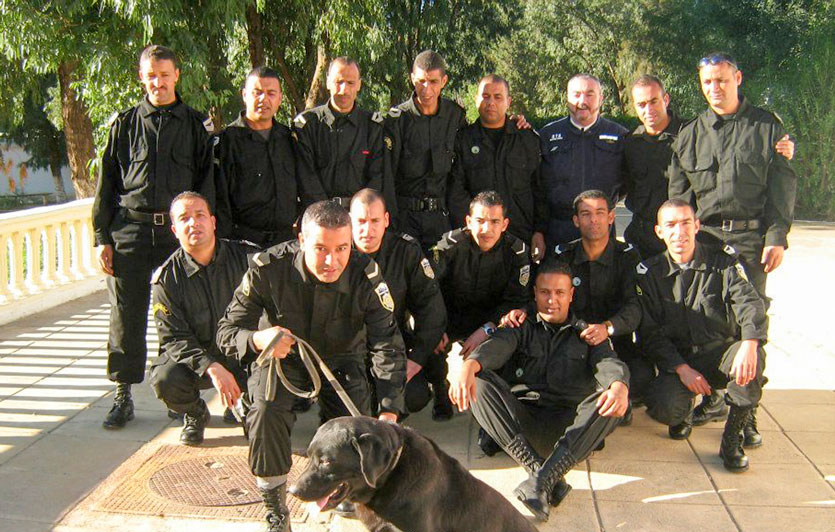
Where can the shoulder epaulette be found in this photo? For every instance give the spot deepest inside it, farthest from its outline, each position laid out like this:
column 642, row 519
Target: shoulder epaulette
column 381, row 289
column 408, row 238
column 377, row 117
column 299, row 121
column 155, row 277
column 209, row 125
column 558, row 249
column 518, row 246
column 260, row 259
column 451, row 238
column 729, row 249
column 394, row 112
column 641, row 268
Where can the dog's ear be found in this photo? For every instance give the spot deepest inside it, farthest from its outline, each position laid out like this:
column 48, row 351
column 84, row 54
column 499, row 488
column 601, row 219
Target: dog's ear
column 375, row 457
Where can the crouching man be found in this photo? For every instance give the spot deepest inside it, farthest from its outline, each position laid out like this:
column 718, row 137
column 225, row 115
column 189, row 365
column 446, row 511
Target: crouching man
column 539, row 383
column 190, row 293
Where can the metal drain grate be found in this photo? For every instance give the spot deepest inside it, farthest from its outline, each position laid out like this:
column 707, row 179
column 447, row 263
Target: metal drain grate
column 210, row 481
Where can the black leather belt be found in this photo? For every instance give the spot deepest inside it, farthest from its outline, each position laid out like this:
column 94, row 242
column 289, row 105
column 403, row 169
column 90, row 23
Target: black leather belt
column 421, row 204
column 153, row 218
column 342, row 201
column 731, row 226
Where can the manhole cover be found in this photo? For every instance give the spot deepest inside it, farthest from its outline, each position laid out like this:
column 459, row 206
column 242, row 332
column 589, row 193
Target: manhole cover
column 210, row 481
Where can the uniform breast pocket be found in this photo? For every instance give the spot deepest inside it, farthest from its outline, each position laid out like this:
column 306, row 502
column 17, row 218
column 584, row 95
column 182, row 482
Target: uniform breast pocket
column 358, row 161
column 519, row 171
column 135, row 175
column 556, row 163
column 713, row 309
column 182, row 172
column 340, row 334
column 441, row 159
column 412, row 164
column 701, row 171
column 565, row 371
column 750, row 182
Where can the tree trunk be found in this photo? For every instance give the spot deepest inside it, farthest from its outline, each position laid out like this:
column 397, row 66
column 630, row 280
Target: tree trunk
column 78, row 131
column 55, row 169
column 317, row 85
column 255, row 35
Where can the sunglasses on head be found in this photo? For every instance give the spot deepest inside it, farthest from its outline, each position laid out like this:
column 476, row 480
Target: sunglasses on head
column 716, row 59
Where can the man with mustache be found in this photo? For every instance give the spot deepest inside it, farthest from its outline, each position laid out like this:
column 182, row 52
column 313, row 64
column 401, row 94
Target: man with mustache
column 579, row 152
column 257, row 184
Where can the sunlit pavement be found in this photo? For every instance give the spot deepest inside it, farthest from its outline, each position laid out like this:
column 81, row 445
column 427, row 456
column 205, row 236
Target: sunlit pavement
column 54, row 452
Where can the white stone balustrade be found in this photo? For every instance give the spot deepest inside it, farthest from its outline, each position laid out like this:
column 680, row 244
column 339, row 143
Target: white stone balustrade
column 45, row 248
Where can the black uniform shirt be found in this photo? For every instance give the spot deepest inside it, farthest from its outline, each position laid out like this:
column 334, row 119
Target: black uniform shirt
column 339, row 154
column 706, row 305
column 729, row 169
column 351, row 317
column 552, row 360
column 647, row 158
column 151, row 156
column 189, row 299
column 411, row 280
column 420, row 148
column 510, row 167
column 480, row 286
column 257, row 189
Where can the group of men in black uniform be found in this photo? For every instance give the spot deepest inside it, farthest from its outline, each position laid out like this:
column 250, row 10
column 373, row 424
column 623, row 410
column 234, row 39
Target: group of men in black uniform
column 340, row 231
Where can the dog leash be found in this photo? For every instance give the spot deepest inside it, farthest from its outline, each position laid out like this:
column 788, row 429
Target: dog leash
column 307, row 355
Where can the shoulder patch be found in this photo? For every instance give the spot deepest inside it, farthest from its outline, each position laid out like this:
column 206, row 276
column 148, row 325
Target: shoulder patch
column 641, row 268
column 155, row 277
column 394, row 112
column 245, row 285
column 160, row 307
column 112, row 118
column 519, row 247
column 299, row 121
column 524, row 274
column 372, row 271
column 427, row 268
column 377, row 117
column 209, row 125
column 729, row 249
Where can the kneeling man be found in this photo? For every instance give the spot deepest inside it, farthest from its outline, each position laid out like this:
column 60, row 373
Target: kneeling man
column 539, row 383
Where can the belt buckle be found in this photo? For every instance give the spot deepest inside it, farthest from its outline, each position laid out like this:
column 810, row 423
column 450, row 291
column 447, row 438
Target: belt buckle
column 727, row 225
column 159, row 218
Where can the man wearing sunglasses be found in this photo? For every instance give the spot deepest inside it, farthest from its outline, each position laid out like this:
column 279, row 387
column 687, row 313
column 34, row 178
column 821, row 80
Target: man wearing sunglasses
column 725, row 164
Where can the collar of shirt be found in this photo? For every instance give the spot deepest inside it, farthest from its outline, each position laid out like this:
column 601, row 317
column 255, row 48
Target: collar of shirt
column 671, row 131
column 606, row 258
column 697, row 263
column 146, row 109
column 192, row 267
column 414, row 108
column 715, row 120
column 329, row 116
column 556, row 327
column 340, row 285
column 581, row 129
column 241, row 122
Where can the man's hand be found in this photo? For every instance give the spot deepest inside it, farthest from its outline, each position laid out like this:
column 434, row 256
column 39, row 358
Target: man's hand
column 614, row 401
column 391, row 417
column 513, row 319
column 521, row 123
column 744, row 368
column 693, row 380
column 225, row 384
column 441, row 347
column 595, row 334
column 474, row 340
column 412, row 369
column 785, row 147
column 104, row 254
column 537, row 246
column 262, row 338
column 772, row 257
column 462, row 386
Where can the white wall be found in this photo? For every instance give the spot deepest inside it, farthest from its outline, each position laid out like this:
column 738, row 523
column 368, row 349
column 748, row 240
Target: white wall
column 37, row 181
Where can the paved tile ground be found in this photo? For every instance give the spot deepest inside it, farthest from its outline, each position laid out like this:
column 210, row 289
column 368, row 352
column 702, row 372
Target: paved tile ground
column 54, row 453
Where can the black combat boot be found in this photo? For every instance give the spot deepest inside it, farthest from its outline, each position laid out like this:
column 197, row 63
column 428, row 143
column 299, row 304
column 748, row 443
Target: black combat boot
column 122, row 410
column 712, row 408
column 441, row 406
column 733, row 457
column 278, row 515
column 194, row 424
column 520, row 450
column 682, row 430
column 751, row 436
column 537, row 491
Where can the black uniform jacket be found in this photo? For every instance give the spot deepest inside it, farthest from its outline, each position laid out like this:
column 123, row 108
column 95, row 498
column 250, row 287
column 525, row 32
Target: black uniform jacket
column 151, row 156
column 480, row 286
column 552, row 360
column 189, row 299
column 574, row 161
column 511, row 169
column 351, row 317
column 729, row 169
column 420, row 149
column 257, row 187
column 411, row 279
column 647, row 158
column 604, row 289
column 339, row 154
column 685, row 312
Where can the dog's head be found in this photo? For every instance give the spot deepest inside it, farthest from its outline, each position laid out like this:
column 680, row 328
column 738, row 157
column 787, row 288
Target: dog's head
column 348, row 458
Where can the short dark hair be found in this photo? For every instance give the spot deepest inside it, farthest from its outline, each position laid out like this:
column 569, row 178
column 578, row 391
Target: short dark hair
column 326, row 214
column 589, row 77
column 345, row 60
column 263, row 72
column 367, row 196
column 674, row 203
column 647, row 80
column 158, row 53
column 495, row 78
column 592, row 194
column 429, row 60
column 553, row 266
column 488, row 198
column 188, row 194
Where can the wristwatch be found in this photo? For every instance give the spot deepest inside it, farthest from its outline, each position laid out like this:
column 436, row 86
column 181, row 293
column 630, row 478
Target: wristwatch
column 488, row 329
column 610, row 329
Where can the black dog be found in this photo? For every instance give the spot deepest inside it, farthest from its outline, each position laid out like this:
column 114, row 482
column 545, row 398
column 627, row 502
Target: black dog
column 401, row 476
